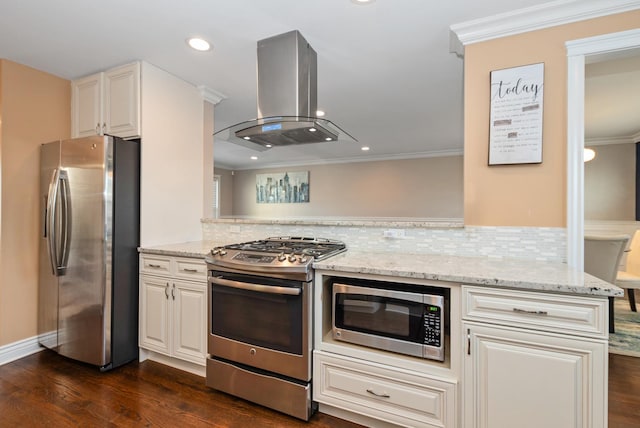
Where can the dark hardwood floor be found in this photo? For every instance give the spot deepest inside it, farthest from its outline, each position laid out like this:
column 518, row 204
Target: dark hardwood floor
column 46, row 390
column 624, row 392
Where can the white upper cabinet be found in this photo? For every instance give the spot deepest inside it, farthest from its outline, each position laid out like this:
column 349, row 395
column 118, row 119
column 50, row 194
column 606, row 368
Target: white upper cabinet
column 86, row 106
column 107, row 103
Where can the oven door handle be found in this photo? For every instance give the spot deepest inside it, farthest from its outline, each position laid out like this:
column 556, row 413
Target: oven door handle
column 271, row 289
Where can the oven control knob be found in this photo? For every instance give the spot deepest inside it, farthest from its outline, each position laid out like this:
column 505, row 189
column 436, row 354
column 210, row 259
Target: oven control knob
column 292, row 258
column 215, row 251
column 282, row 257
column 303, row 259
column 222, row 252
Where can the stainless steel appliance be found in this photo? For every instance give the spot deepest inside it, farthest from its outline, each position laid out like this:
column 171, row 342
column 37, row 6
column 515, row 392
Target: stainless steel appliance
column 89, row 234
column 394, row 317
column 287, row 99
column 260, row 326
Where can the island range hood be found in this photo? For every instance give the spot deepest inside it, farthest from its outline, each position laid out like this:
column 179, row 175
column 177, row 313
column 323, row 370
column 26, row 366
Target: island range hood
column 287, row 99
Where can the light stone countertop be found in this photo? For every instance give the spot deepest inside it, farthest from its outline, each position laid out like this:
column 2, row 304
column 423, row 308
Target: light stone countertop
column 527, row 275
column 521, row 274
column 445, row 223
column 194, row 249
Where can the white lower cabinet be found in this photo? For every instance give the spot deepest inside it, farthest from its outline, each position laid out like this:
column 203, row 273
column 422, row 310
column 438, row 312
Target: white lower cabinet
column 173, row 307
column 537, row 376
column 393, row 395
column 526, row 380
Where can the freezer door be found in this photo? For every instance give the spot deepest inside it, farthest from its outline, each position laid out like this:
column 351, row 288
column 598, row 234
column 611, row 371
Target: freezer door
column 47, row 279
column 84, row 323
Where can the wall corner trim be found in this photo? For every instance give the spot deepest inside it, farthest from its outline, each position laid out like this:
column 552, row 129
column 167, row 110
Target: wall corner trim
column 20, row 349
column 532, row 18
column 211, row 95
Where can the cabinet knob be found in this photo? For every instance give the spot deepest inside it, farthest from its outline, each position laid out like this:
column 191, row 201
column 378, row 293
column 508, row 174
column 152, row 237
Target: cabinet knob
column 98, row 128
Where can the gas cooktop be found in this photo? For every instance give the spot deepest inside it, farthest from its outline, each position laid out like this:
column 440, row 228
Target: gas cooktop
column 316, row 248
column 278, row 254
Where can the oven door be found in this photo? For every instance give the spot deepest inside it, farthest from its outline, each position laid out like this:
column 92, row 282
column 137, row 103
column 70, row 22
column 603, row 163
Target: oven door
column 261, row 322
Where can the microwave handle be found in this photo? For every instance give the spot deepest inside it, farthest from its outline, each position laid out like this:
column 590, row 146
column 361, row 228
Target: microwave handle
column 255, row 287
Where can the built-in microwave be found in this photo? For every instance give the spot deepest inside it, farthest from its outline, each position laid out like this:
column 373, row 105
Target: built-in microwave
column 406, row 319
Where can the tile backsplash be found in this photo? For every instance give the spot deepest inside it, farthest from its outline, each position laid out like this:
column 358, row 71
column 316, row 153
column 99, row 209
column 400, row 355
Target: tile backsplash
column 525, row 243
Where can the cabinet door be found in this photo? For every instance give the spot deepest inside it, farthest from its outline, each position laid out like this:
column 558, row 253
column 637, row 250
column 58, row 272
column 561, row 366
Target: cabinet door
column 86, row 106
column 122, row 101
column 154, row 313
column 189, row 321
column 519, row 379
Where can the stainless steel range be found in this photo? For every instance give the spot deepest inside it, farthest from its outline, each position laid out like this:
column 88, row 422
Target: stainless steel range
column 260, row 326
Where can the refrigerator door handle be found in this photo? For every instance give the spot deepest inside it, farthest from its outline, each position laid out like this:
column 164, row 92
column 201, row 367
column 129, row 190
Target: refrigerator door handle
column 66, row 222
column 50, row 220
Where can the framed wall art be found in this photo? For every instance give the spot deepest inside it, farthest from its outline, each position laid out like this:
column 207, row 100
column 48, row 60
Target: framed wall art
column 282, row 187
column 515, row 129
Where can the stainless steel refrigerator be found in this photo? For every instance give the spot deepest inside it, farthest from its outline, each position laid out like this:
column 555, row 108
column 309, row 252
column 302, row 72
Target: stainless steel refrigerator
column 90, row 228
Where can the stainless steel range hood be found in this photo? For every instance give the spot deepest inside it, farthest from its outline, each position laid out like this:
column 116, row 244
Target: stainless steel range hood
column 287, row 99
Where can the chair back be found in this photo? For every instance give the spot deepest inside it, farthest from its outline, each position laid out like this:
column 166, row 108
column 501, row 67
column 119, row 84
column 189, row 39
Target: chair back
column 633, row 256
column 602, row 255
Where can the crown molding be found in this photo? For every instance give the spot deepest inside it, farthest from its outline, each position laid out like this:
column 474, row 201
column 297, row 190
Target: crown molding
column 211, row 95
column 532, row 18
column 606, row 141
column 367, row 158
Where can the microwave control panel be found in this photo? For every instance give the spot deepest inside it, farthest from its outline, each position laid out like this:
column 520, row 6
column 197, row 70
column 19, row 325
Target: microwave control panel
column 432, row 325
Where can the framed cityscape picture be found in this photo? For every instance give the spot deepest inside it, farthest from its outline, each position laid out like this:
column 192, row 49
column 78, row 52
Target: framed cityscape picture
column 282, row 187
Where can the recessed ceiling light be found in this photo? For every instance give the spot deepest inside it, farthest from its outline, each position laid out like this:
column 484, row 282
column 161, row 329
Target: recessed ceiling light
column 268, row 146
column 247, row 138
column 328, row 139
column 254, row 157
column 365, row 148
column 362, row 1
column 319, row 113
column 199, row 44
column 312, row 129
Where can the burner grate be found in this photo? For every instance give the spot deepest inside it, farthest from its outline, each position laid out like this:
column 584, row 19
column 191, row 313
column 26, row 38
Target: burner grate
column 317, row 248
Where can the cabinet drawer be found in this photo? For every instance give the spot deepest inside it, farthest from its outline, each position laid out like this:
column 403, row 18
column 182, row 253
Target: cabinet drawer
column 373, row 390
column 158, row 265
column 194, row 269
column 537, row 311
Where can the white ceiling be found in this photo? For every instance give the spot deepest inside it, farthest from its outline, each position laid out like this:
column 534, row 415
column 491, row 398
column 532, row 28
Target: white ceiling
column 385, row 73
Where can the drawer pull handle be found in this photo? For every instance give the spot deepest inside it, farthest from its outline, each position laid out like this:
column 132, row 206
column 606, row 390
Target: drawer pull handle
column 154, row 266
column 524, row 311
column 377, row 394
column 190, row 270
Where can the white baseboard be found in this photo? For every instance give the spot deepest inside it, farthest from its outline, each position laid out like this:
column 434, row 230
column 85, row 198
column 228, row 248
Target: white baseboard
column 20, row 349
column 196, row 369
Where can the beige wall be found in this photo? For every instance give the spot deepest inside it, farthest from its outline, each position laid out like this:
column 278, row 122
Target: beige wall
column 207, row 159
column 610, row 183
column 34, row 108
column 171, row 167
column 425, row 188
column 226, row 191
column 523, row 195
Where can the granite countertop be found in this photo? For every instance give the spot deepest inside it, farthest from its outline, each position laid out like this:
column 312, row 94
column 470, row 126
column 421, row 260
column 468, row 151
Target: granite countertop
column 194, row 249
column 523, row 274
column 444, row 223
